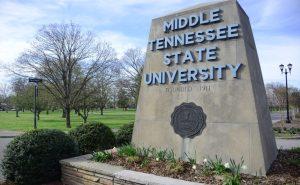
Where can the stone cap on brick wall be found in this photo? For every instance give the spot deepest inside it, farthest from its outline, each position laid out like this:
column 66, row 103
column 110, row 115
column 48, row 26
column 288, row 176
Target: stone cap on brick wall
column 119, row 174
column 83, row 162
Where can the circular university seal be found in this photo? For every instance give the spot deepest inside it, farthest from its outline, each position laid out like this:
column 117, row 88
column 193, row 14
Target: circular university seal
column 188, row 120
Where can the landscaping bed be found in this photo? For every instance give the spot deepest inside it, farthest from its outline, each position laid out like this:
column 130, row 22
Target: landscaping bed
column 287, row 130
column 284, row 170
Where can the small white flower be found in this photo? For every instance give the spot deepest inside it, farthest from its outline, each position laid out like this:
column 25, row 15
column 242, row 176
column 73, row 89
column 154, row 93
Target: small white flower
column 205, row 160
column 194, row 166
column 226, row 165
column 114, row 150
column 244, row 167
column 157, row 159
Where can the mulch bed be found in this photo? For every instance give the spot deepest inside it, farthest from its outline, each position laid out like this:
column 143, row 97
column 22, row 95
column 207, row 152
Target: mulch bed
column 287, row 130
column 282, row 170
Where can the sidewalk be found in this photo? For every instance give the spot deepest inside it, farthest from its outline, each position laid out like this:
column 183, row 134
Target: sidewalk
column 5, row 138
column 9, row 134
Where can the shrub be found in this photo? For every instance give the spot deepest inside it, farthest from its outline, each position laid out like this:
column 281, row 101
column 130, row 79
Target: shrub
column 127, row 150
column 161, row 155
column 191, row 160
column 234, row 178
column 295, row 162
column 124, row 134
column 216, row 165
column 101, row 156
column 171, row 156
column 143, row 152
column 93, row 137
column 292, row 131
column 295, row 150
column 277, row 129
column 33, row 158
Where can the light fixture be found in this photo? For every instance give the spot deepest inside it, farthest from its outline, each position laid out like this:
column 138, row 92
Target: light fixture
column 281, row 66
column 290, row 67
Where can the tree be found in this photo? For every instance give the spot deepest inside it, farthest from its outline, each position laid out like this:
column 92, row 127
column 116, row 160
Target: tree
column 102, row 95
column 276, row 95
column 23, row 96
column 132, row 64
column 26, row 96
column 66, row 58
column 113, row 96
column 124, row 98
column 295, row 98
column 42, row 102
column 96, row 93
column 4, row 97
column 86, row 102
column 19, row 98
column 104, row 84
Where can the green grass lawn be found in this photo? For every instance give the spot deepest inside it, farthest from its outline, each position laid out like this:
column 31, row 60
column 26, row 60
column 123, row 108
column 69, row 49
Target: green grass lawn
column 114, row 118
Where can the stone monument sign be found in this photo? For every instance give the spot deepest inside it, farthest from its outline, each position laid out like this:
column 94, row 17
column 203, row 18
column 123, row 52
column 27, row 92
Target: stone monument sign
column 202, row 90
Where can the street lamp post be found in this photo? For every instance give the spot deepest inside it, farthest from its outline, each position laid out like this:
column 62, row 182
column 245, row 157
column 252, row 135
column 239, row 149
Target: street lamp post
column 36, row 82
column 286, row 71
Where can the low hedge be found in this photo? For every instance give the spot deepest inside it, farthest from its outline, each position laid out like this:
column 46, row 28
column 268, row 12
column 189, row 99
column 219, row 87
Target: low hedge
column 33, row 158
column 124, row 134
column 93, row 137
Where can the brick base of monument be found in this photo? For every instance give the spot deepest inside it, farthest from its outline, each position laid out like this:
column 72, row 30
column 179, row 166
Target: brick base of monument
column 82, row 171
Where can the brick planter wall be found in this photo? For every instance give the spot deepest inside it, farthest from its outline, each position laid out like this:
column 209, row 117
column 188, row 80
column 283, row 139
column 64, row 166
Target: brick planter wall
column 74, row 176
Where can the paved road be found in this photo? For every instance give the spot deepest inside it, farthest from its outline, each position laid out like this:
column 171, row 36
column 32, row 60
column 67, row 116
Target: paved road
column 276, row 116
column 3, row 143
column 287, row 143
column 5, row 138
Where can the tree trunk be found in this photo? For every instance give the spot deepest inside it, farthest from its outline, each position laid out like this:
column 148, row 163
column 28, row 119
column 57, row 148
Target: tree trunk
column 68, row 117
column 17, row 113
column 101, row 110
column 47, row 111
column 38, row 115
column 84, row 119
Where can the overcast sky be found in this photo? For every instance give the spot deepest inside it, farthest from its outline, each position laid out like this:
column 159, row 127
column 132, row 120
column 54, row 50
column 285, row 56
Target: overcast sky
column 126, row 23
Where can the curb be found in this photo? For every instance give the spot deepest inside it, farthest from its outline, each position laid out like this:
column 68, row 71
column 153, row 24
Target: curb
column 10, row 134
column 7, row 136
